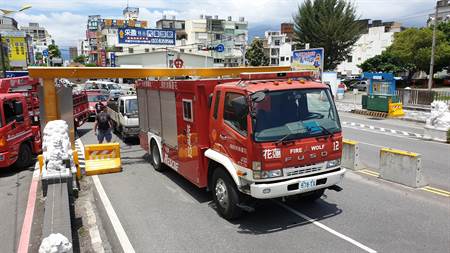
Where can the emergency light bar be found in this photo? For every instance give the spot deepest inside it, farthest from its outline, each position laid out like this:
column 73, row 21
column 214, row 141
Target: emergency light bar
column 276, row 75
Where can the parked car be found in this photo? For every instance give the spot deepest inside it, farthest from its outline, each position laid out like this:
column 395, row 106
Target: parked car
column 360, row 85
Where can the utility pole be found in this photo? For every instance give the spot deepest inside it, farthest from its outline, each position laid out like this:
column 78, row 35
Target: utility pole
column 2, row 54
column 433, row 49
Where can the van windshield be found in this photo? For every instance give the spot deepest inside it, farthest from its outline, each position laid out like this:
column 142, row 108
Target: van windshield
column 293, row 114
column 131, row 107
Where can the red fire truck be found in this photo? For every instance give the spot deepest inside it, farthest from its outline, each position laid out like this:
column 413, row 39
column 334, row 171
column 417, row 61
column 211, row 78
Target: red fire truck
column 20, row 135
column 266, row 135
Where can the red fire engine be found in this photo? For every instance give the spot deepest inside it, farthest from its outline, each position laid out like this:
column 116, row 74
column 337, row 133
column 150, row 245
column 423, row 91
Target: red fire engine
column 20, row 135
column 265, row 135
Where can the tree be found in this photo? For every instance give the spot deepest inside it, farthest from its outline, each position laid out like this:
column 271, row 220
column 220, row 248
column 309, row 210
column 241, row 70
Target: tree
column 385, row 62
column 255, row 54
column 330, row 24
column 80, row 59
column 53, row 51
column 413, row 46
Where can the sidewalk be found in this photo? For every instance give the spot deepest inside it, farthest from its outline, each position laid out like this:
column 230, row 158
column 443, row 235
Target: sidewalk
column 353, row 102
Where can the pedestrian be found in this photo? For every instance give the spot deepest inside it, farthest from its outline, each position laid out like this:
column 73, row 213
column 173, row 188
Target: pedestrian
column 99, row 107
column 104, row 126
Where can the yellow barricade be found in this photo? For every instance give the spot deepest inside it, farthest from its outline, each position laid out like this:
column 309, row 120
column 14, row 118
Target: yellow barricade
column 395, row 110
column 102, row 158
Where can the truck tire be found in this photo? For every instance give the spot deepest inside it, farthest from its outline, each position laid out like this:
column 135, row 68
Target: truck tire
column 225, row 195
column 25, row 157
column 156, row 158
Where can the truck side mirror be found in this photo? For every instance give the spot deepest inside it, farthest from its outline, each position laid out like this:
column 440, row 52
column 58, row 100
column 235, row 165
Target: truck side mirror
column 18, row 109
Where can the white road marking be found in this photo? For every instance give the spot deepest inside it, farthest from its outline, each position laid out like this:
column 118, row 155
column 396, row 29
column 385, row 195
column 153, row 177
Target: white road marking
column 353, row 124
column 120, row 232
column 393, row 131
column 405, row 133
column 328, row 229
column 372, row 127
column 362, row 125
column 419, row 135
column 382, row 129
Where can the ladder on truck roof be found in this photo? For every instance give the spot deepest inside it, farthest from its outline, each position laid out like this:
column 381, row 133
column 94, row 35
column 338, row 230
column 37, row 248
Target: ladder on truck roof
column 276, row 75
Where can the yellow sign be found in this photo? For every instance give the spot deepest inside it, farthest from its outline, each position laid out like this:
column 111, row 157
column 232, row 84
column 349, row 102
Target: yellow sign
column 396, row 110
column 17, row 49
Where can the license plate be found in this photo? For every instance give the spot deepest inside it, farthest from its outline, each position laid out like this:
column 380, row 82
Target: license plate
column 307, row 184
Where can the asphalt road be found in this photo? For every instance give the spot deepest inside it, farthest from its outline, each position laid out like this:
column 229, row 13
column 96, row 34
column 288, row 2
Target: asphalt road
column 14, row 188
column 435, row 156
column 163, row 212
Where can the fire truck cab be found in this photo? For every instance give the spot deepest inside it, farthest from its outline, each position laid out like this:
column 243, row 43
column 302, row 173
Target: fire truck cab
column 265, row 135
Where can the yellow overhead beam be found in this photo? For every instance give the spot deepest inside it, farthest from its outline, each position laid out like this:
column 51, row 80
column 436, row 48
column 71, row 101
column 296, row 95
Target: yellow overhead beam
column 103, row 72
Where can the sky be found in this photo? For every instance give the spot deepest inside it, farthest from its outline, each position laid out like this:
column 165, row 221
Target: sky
column 66, row 20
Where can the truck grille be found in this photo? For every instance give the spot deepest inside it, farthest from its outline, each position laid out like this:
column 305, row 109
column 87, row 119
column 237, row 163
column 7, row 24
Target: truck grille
column 302, row 170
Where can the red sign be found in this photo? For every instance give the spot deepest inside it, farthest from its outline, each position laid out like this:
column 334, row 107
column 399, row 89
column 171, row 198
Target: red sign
column 103, row 58
column 178, row 63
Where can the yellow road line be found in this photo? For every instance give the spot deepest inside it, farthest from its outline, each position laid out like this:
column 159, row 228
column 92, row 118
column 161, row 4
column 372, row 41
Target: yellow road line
column 436, row 191
column 370, row 173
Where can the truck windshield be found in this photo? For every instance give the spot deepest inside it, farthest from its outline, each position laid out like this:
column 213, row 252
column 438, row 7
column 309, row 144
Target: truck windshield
column 131, row 107
column 97, row 98
column 293, row 114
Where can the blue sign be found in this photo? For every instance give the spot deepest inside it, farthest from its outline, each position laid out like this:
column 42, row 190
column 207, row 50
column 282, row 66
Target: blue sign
column 16, row 73
column 308, row 59
column 113, row 59
column 45, row 53
column 220, row 48
column 146, row 36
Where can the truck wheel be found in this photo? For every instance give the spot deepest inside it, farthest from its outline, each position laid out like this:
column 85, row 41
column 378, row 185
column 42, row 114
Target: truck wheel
column 25, row 157
column 225, row 195
column 312, row 196
column 156, row 158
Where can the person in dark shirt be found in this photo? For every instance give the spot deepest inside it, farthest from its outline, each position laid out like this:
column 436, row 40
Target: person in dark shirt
column 103, row 126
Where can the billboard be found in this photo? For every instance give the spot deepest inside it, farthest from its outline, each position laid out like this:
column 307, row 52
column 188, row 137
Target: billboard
column 308, row 59
column 146, row 36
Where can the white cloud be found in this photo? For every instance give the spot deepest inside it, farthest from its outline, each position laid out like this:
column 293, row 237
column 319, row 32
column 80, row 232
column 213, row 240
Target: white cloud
column 65, row 28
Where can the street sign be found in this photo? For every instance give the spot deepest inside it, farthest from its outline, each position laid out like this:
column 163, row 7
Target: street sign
column 113, row 59
column 178, row 63
column 220, row 48
column 45, row 53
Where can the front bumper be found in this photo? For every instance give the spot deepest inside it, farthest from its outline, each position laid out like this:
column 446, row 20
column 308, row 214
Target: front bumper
column 280, row 189
column 131, row 131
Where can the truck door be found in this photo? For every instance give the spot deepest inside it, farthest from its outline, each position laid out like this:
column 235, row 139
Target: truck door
column 14, row 123
column 233, row 133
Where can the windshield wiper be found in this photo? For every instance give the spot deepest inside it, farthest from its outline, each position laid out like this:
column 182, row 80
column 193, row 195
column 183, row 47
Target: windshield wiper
column 326, row 131
column 283, row 138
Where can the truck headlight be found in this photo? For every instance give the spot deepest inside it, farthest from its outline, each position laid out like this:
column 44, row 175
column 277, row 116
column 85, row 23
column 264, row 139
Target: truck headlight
column 256, row 165
column 263, row 174
column 333, row 163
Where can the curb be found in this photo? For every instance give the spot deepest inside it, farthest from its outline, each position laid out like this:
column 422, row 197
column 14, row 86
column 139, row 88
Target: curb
column 370, row 113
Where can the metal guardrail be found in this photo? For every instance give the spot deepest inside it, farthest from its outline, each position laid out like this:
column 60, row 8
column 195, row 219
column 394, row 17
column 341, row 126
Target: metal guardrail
column 422, row 97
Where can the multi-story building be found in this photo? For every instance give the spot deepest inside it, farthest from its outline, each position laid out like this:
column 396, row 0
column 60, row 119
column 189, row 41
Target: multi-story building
column 36, row 32
column 8, row 24
column 102, row 34
column 209, row 31
column 443, row 8
column 277, row 48
column 288, row 29
column 173, row 23
column 379, row 35
column 73, row 53
column 16, row 44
